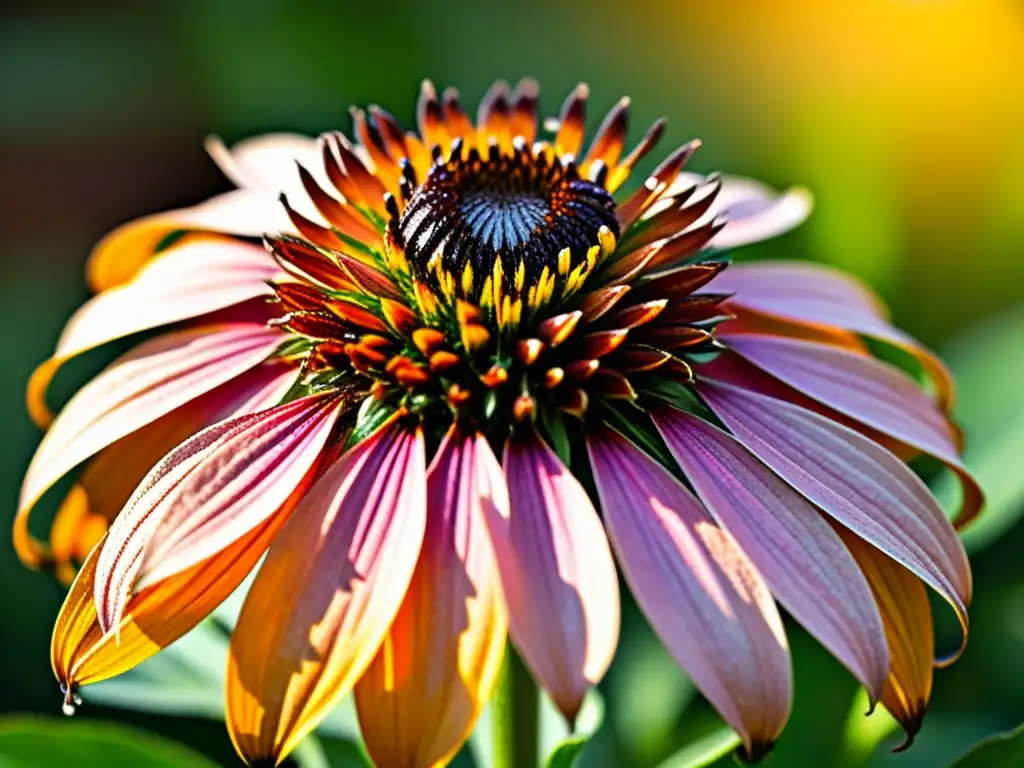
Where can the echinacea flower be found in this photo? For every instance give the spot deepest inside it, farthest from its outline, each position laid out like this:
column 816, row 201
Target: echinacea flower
column 412, row 385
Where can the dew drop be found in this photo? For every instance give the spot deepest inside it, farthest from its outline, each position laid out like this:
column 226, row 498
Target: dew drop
column 71, row 700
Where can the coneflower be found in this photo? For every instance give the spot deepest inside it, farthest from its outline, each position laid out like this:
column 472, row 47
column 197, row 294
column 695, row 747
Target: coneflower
column 458, row 380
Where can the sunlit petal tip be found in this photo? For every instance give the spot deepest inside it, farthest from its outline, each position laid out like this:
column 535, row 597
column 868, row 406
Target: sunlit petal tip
column 208, row 493
column 557, row 573
column 754, row 213
column 263, row 162
column 147, row 383
column 35, row 393
column 81, row 653
column 419, row 699
column 327, row 593
column 75, row 622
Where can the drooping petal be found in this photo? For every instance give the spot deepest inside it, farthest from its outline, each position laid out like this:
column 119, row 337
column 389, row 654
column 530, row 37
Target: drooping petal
column 265, row 162
column 243, row 212
column 147, row 383
column 907, row 615
column 814, row 294
column 108, row 479
column 207, row 493
column 81, row 653
column 419, row 699
column 557, row 573
column 197, row 276
column 704, row 598
column 329, row 589
column 872, row 392
column 752, row 211
column 799, row 554
column 858, row 482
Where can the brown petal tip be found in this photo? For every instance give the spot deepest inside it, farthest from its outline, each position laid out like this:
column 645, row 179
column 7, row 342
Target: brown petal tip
column 755, row 752
column 911, row 726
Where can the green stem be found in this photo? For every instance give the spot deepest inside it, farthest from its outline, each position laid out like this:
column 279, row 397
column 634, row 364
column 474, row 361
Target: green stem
column 516, row 716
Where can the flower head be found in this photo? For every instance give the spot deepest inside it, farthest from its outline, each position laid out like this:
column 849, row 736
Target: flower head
column 414, row 382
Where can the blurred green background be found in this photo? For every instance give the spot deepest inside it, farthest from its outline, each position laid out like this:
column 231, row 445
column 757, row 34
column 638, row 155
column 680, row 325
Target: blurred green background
column 904, row 117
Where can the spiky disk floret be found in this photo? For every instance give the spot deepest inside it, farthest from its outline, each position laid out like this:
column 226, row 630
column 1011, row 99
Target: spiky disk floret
column 494, row 278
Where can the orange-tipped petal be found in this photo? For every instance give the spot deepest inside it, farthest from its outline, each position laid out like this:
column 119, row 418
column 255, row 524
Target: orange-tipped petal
column 419, row 699
column 907, row 614
column 154, row 618
column 557, row 573
column 196, row 276
column 246, row 212
column 704, row 598
column 327, row 594
column 109, row 479
column 140, row 387
column 209, row 492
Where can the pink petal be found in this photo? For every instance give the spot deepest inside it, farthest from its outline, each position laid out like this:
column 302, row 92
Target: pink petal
column 266, row 162
column 270, row 164
column 331, row 585
column 189, row 280
column 872, row 392
column 703, row 597
column 860, row 483
column 801, row 291
column 153, row 379
column 431, row 678
column 752, row 210
column 799, row 554
column 857, row 386
column 811, row 293
column 557, row 573
column 208, row 493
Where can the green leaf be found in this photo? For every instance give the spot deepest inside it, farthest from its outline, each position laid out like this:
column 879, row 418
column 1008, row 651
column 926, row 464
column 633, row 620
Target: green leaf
column 564, row 748
column 565, row 754
column 1005, row 750
column 31, row 742
column 704, row 751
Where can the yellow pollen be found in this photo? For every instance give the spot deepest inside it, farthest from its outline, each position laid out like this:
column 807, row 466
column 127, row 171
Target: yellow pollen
column 606, row 239
column 563, row 262
column 425, row 298
column 486, row 295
